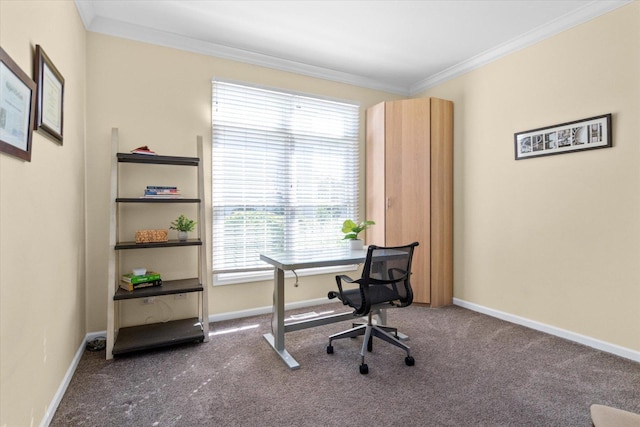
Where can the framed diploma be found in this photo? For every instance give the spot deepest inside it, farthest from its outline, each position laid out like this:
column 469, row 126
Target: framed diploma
column 50, row 96
column 17, row 108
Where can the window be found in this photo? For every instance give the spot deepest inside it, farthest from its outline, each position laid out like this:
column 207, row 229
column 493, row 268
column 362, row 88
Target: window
column 285, row 174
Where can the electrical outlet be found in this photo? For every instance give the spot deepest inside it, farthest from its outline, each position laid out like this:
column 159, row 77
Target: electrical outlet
column 181, row 296
column 149, row 300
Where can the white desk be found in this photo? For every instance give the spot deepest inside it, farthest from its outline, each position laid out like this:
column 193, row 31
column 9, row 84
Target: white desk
column 286, row 261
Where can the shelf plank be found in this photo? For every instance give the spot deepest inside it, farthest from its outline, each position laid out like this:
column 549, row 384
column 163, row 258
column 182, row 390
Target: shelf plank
column 167, row 244
column 157, row 160
column 158, row 335
column 155, row 200
column 169, row 287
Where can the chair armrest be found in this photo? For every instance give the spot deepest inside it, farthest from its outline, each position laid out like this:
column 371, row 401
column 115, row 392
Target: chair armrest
column 339, row 280
column 361, row 305
column 346, row 279
column 339, row 294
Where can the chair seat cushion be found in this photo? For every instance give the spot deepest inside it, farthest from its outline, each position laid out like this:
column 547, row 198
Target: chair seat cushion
column 377, row 295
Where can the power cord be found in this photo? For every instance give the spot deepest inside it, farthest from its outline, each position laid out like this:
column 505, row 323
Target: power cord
column 295, row 274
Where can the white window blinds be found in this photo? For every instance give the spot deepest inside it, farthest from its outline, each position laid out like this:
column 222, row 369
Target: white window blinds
column 285, row 173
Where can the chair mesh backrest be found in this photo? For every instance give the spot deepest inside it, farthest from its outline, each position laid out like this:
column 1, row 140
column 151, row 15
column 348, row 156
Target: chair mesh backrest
column 387, row 273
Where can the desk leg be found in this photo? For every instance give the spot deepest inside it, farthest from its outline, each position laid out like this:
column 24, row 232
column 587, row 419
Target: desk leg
column 276, row 339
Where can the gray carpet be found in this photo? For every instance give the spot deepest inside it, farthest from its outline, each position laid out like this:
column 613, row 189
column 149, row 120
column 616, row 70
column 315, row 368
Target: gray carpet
column 471, row 370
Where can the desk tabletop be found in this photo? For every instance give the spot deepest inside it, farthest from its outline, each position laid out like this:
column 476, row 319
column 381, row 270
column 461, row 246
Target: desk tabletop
column 294, row 260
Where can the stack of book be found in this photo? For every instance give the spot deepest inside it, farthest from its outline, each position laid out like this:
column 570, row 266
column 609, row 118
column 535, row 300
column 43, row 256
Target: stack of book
column 130, row 282
column 161, row 191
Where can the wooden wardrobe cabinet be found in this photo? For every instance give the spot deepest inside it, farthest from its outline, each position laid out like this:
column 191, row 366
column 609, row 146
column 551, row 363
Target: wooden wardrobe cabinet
column 409, row 188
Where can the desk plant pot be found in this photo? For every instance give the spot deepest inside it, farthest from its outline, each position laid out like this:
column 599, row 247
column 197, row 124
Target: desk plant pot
column 356, row 244
column 351, row 229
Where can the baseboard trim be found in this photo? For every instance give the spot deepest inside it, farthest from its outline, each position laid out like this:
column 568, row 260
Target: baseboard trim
column 267, row 309
column 617, row 350
column 57, row 398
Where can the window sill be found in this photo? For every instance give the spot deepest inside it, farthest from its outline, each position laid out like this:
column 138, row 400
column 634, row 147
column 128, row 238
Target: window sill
column 261, row 276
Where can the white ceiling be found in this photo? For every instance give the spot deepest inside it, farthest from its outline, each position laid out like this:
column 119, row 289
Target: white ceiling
column 397, row 46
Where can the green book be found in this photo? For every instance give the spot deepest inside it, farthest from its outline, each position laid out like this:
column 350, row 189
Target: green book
column 149, row 277
column 131, row 287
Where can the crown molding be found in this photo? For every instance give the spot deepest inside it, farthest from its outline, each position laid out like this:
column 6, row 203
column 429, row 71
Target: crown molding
column 589, row 11
column 120, row 29
column 148, row 35
column 86, row 11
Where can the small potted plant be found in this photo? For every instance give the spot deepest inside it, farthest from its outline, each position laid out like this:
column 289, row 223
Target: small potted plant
column 183, row 225
column 351, row 229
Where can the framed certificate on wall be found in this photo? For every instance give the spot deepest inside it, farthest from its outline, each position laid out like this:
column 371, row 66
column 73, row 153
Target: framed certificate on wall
column 17, row 108
column 49, row 115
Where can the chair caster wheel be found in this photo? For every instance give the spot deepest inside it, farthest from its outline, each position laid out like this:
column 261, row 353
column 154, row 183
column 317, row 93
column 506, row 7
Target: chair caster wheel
column 329, row 349
column 364, row 369
column 409, row 360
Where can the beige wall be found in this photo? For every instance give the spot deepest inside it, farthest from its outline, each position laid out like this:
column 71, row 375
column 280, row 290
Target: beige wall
column 42, row 249
column 161, row 97
column 553, row 239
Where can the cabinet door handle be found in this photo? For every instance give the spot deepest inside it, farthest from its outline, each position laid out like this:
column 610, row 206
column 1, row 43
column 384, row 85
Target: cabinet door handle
column 388, row 202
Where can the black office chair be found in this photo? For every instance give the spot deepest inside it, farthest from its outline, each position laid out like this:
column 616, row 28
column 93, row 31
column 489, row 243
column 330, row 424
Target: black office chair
column 384, row 283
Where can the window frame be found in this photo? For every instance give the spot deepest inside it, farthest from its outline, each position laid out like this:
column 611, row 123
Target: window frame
column 230, row 276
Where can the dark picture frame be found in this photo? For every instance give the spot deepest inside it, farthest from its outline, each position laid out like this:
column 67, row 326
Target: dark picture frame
column 586, row 134
column 17, row 108
column 50, row 104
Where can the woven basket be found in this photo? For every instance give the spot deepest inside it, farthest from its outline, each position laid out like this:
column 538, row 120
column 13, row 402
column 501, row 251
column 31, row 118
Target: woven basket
column 146, row 236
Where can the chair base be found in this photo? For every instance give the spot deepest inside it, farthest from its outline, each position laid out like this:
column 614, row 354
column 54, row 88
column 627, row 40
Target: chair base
column 369, row 330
